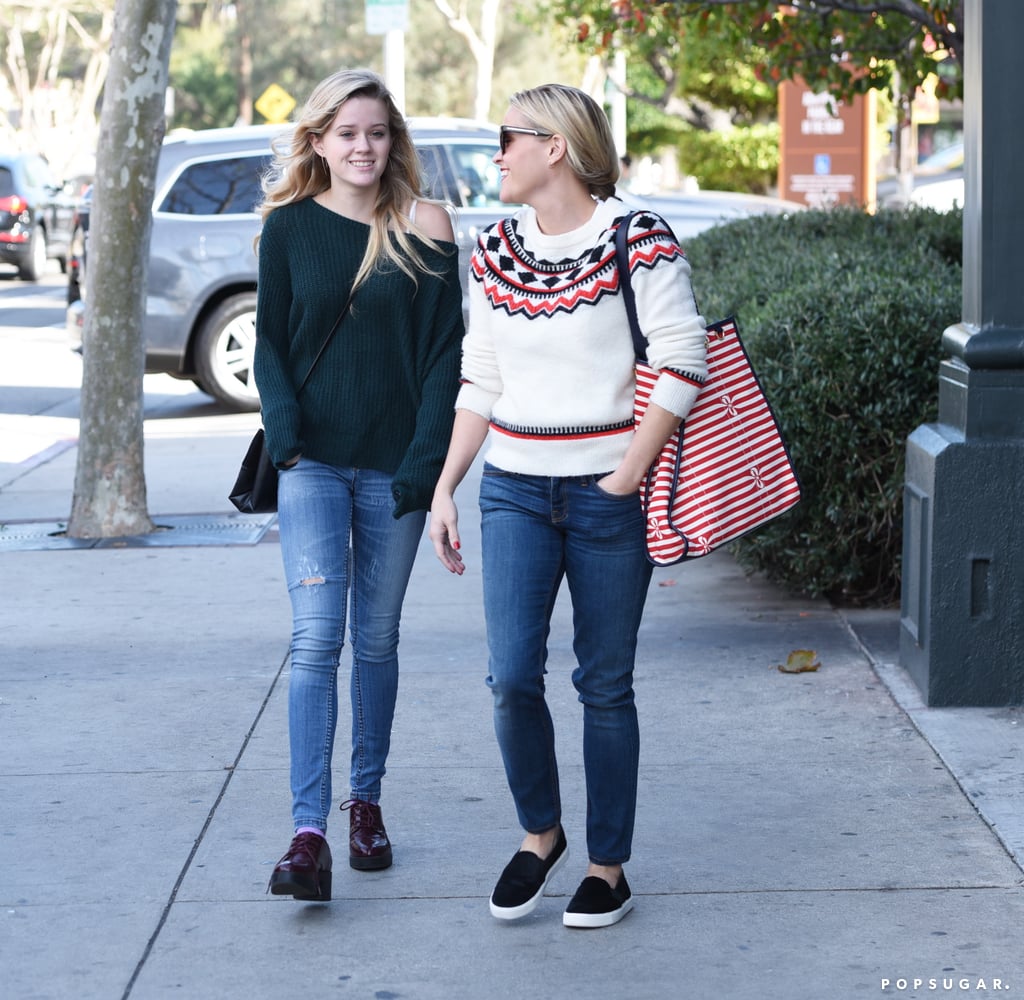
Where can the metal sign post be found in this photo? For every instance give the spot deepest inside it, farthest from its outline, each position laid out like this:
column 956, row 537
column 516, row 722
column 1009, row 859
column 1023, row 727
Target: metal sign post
column 390, row 18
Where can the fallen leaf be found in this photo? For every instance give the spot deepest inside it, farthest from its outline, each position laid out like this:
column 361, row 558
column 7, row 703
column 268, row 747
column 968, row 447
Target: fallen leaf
column 800, row 661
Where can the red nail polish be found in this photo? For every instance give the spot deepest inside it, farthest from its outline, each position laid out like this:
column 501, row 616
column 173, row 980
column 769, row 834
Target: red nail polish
column 456, row 546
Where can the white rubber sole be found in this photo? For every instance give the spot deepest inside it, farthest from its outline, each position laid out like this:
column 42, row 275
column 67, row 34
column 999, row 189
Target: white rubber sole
column 597, row 919
column 515, row 912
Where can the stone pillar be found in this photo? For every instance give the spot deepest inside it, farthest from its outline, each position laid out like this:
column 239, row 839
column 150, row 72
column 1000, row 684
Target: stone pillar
column 962, row 607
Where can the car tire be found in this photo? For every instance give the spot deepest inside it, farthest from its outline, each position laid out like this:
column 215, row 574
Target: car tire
column 224, row 351
column 34, row 265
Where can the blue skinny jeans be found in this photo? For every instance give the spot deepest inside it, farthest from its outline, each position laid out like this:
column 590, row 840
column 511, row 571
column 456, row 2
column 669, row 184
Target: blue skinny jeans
column 343, row 552
column 536, row 531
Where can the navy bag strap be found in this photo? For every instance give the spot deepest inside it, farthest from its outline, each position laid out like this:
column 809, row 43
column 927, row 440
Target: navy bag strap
column 628, row 295
column 323, row 346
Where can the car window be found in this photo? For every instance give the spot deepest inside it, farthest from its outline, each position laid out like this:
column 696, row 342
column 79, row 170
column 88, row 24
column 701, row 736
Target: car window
column 438, row 181
column 37, row 172
column 228, row 186
column 477, row 176
column 6, row 183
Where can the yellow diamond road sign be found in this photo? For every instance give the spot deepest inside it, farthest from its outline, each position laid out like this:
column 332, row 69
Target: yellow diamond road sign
column 275, row 104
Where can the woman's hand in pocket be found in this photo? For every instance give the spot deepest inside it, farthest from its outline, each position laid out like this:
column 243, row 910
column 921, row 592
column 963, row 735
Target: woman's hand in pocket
column 617, row 485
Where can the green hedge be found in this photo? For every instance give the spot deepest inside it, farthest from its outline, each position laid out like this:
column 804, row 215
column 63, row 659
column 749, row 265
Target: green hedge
column 742, row 159
column 842, row 314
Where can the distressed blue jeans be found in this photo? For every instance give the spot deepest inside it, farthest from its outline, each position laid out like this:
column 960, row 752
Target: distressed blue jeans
column 536, row 531
column 344, row 555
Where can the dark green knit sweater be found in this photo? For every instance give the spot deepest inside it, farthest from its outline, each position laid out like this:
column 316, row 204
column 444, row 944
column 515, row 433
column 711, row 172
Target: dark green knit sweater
column 382, row 396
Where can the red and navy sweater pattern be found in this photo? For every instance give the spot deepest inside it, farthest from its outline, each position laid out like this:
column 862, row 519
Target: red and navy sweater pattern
column 518, row 283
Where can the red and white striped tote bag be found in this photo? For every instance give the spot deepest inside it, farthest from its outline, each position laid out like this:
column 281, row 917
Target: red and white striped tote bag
column 726, row 471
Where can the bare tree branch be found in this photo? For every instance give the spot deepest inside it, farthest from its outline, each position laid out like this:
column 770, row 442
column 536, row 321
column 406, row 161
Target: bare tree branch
column 481, row 45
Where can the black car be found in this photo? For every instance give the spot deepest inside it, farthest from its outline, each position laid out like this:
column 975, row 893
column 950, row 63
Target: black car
column 35, row 215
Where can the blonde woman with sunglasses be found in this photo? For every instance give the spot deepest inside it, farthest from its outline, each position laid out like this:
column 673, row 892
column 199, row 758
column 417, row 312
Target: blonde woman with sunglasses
column 548, row 381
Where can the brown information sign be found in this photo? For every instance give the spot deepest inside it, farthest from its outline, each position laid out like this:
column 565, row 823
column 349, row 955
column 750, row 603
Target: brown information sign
column 827, row 153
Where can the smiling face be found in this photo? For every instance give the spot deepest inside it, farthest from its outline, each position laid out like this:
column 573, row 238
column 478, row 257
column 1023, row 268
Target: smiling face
column 355, row 146
column 523, row 162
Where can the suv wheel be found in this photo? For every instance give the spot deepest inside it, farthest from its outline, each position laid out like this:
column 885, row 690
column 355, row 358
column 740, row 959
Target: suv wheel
column 35, row 263
column 224, row 352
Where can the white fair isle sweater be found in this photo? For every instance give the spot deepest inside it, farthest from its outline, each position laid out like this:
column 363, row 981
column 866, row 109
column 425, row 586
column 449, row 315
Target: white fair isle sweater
column 548, row 358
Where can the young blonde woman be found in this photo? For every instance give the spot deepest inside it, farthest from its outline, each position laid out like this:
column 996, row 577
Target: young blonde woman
column 548, row 370
column 360, row 447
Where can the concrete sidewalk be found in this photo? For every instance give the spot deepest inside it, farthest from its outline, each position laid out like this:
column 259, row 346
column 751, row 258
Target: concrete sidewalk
column 817, row 836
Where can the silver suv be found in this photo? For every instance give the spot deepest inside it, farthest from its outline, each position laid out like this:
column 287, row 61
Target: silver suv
column 201, row 296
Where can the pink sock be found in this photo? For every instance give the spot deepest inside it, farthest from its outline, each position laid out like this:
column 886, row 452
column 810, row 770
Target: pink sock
column 309, row 829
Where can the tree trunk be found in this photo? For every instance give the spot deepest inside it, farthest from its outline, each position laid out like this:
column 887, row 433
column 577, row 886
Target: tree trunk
column 110, row 485
column 485, row 58
column 246, row 97
column 481, row 44
column 906, row 153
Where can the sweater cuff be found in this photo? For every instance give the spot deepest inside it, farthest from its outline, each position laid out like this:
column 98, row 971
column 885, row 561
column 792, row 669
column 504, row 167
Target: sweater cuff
column 675, row 393
column 408, row 498
column 472, row 397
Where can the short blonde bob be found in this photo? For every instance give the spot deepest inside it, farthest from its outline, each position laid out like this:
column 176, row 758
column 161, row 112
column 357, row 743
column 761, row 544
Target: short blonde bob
column 298, row 172
column 580, row 120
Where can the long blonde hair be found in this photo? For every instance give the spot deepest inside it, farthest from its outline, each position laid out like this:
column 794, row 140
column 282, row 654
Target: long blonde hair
column 580, row 120
column 297, row 172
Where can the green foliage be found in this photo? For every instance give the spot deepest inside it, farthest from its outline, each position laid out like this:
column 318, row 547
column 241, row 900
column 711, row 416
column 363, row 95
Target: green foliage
column 205, row 90
column 734, row 150
column 842, row 314
column 680, row 69
column 743, row 159
column 852, row 47
column 294, row 45
column 845, row 46
column 718, row 65
column 441, row 71
column 690, row 85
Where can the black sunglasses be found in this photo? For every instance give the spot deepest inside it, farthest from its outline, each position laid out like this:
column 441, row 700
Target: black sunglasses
column 506, row 132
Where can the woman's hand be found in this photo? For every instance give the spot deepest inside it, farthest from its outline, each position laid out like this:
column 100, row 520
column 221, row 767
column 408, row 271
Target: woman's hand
column 618, row 484
column 657, row 426
column 467, row 436
column 444, row 532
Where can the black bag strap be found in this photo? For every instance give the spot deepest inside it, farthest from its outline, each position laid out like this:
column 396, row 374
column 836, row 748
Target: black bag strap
column 628, row 295
column 323, row 346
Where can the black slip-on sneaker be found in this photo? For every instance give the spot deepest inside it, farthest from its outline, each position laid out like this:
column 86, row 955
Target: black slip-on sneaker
column 524, row 879
column 597, row 904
